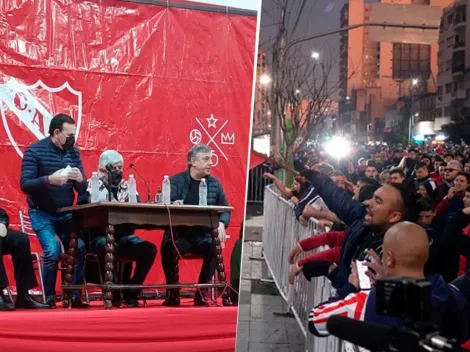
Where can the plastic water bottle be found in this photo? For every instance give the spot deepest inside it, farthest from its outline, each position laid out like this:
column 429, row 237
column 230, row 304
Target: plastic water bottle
column 159, row 196
column 166, row 187
column 95, row 188
column 203, row 192
column 132, row 189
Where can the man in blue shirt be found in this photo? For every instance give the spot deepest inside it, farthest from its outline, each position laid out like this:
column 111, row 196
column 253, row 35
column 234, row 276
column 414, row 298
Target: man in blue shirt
column 50, row 172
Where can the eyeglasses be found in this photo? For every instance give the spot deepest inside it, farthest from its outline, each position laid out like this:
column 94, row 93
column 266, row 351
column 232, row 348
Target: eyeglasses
column 450, row 170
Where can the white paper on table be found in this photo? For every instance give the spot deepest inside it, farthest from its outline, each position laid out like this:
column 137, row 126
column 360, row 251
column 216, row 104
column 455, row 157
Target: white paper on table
column 65, row 172
column 364, row 280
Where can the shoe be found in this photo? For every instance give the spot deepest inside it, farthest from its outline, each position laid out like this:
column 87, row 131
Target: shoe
column 77, row 303
column 28, row 302
column 200, row 300
column 130, row 300
column 5, row 304
column 172, row 298
column 116, row 299
column 50, row 301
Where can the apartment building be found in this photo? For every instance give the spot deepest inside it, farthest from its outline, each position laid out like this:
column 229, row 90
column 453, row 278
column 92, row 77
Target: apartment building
column 453, row 89
column 379, row 72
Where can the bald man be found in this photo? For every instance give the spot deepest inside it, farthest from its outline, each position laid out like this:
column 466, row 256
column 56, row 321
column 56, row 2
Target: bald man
column 405, row 252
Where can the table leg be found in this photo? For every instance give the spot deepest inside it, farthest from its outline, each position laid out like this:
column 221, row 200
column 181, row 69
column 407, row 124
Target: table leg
column 109, row 266
column 70, row 261
column 219, row 259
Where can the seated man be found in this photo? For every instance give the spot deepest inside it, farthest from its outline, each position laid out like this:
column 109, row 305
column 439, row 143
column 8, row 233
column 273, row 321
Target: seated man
column 194, row 239
column 127, row 245
column 405, row 252
column 17, row 244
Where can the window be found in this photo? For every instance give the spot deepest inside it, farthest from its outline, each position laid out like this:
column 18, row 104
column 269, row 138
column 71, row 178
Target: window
column 447, row 111
column 438, row 112
column 439, row 91
column 448, row 88
column 411, row 61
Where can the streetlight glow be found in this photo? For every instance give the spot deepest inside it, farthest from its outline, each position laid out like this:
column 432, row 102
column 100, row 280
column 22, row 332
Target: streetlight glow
column 315, row 55
column 265, row 79
column 414, row 81
column 338, row 147
column 348, row 97
column 297, row 91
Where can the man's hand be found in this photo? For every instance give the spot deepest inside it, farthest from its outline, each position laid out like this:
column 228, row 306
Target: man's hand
column 354, row 276
column 451, row 193
column 294, row 253
column 349, row 186
column 222, row 234
column 322, row 224
column 75, row 175
column 57, row 178
column 293, row 272
column 178, row 202
column 294, row 200
column 375, row 265
column 3, row 230
column 303, row 221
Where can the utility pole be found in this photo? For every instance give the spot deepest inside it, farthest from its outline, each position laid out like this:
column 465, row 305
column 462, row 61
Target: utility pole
column 278, row 62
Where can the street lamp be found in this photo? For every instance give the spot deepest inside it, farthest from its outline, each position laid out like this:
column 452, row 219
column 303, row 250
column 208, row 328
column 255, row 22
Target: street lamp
column 315, row 55
column 265, row 79
column 414, row 81
column 297, row 91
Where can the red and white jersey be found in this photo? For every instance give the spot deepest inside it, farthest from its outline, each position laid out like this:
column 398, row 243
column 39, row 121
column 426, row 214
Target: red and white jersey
column 353, row 306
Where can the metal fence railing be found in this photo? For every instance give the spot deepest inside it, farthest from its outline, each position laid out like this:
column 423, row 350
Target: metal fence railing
column 257, row 183
column 281, row 232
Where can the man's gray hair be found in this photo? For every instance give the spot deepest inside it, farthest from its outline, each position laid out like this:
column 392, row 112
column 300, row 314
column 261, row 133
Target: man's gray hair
column 194, row 151
column 456, row 163
column 110, row 157
column 325, row 168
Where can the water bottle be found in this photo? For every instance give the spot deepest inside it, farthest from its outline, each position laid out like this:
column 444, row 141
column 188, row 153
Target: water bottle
column 203, row 192
column 159, row 196
column 132, row 189
column 166, row 187
column 95, row 188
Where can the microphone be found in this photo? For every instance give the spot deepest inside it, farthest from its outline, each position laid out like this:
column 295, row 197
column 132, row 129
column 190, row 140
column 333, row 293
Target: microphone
column 132, row 166
column 371, row 336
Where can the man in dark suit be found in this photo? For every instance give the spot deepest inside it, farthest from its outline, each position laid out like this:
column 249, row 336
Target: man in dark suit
column 193, row 239
column 16, row 244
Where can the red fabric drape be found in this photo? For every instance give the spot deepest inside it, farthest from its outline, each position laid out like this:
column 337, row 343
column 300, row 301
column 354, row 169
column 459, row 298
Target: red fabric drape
column 256, row 159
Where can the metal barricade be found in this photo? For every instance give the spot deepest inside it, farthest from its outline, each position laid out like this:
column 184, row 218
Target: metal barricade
column 257, row 183
column 281, row 232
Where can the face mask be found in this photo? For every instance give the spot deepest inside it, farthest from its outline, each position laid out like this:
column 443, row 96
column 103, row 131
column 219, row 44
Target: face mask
column 69, row 143
column 117, row 177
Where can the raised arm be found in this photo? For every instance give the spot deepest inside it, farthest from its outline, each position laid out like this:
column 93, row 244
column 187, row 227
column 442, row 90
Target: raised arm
column 337, row 199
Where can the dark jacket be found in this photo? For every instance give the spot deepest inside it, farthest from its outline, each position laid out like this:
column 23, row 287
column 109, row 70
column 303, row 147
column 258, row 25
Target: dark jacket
column 4, row 218
column 215, row 193
column 41, row 160
column 352, row 213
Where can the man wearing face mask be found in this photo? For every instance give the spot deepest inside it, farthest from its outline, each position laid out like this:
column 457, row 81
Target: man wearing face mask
column 193, row 239
column 127, row 244
column 51, row 170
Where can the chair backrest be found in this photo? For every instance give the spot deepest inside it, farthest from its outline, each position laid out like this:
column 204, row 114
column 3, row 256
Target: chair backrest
column 27, row 228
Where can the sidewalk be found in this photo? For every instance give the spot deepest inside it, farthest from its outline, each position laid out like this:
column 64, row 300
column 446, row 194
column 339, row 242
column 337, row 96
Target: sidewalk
column 259, row 330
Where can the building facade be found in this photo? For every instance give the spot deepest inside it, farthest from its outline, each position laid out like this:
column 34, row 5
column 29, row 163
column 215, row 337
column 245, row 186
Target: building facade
column 386, row 71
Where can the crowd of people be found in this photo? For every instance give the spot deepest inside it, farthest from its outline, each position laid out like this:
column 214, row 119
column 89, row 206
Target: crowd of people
column 52, row 177
column 399, row 212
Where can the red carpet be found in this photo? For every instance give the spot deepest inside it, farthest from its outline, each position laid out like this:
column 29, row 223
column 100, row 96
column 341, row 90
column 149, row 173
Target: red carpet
column 153, row 328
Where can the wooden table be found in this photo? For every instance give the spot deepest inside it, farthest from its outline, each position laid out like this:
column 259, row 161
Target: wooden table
column 143, row 216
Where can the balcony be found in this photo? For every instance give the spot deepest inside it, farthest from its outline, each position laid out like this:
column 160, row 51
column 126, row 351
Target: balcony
column 458, row 95
column 459, row 46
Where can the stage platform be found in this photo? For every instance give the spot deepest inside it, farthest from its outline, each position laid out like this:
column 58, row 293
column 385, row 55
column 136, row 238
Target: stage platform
column 152, row 328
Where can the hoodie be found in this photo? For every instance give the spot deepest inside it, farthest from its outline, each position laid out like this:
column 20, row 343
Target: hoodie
column 450, row 310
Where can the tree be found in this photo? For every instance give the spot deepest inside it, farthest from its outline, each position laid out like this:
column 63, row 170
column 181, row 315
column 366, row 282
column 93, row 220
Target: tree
column 302, row 87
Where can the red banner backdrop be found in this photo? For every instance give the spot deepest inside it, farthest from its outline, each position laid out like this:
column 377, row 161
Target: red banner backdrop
column 149, row 81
